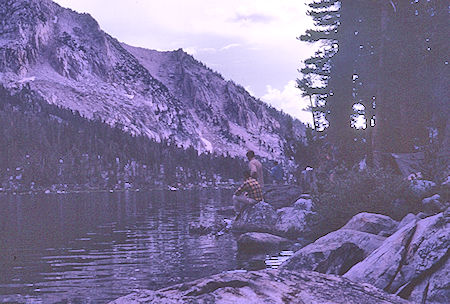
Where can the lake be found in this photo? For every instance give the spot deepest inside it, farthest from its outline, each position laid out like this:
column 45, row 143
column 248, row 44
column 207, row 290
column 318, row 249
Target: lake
column 95, row 247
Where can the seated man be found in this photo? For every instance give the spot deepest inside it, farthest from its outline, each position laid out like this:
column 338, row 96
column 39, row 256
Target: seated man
column 249, row 193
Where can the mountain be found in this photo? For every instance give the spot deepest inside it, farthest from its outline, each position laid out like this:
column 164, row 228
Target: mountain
column 65, row 58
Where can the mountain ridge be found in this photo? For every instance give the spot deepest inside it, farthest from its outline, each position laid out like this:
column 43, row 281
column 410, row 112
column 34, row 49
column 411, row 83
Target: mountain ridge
column 71, row 62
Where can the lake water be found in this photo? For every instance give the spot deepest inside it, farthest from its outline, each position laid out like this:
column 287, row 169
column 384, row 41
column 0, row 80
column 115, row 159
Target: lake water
column 95, row 247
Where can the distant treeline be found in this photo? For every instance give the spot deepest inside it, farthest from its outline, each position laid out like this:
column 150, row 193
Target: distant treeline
column 43, row 145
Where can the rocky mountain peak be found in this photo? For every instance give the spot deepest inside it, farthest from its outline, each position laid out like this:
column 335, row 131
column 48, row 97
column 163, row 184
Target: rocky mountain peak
column 66, row 58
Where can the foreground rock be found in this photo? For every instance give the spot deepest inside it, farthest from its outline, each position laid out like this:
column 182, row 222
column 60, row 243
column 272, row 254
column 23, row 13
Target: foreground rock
column 279, row 196
column 372, row 223
column 335, row 252
column 261, row 242
column 265, row 286
column 412, row 262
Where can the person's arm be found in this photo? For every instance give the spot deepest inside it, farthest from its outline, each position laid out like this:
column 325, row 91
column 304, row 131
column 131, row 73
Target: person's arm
column 241, row 189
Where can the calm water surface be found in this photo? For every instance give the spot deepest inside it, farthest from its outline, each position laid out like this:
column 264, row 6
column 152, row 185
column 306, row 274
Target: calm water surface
column 93, row 248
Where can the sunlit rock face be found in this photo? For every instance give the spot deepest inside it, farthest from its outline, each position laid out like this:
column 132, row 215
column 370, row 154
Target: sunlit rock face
column 335, row 252
column 68, row 60
column 413, row 262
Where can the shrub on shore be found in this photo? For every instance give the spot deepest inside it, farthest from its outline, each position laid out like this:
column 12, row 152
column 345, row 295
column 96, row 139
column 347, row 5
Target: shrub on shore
column 346, row 193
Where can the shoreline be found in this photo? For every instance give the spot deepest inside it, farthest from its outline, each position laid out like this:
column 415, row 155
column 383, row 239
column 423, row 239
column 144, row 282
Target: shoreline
column 158, row 188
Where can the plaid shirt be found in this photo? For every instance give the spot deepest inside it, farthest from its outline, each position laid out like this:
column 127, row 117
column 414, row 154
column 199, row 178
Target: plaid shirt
column 252, row 188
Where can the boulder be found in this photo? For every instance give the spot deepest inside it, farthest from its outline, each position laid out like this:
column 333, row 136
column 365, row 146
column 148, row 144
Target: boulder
column 436, row 287
column 251, row 260
column 422, row 187
column 304, row 203
column 265, row 286
column 280, row 196
column 417, row 251
column 335, row 252
column 372, row 223
column 296, row 221
column 260, row 217
column 433, row 204
column 260, row 242
column 407, row 219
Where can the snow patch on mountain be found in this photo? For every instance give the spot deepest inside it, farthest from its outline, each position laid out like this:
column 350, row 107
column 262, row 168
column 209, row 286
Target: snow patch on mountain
column 208, row 144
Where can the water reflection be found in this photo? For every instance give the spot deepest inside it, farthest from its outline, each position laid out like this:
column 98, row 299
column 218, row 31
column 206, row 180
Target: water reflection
column 91, row 248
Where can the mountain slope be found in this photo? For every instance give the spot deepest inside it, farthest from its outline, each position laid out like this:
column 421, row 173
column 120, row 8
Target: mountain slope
column 66, row 58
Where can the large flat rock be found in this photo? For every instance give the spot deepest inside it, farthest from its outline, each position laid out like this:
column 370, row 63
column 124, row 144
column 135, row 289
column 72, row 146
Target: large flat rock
column 265, row 286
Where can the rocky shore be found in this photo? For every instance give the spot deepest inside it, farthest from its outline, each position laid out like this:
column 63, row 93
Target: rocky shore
column 371, row 259
column 265, row 286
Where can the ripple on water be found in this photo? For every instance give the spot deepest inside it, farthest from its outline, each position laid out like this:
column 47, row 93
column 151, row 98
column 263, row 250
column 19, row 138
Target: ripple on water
column 275, row 261
column 90, row 248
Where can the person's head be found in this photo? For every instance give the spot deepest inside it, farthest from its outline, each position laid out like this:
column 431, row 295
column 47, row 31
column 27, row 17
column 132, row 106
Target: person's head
column 247, row 174
column 250, row 154
column 275, row 163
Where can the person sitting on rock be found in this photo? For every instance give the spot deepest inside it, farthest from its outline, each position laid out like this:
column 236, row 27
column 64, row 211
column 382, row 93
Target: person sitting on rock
column 249, row 193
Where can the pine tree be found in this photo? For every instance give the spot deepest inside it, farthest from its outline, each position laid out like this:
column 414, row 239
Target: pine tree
column 317, row 68
column 329, row 75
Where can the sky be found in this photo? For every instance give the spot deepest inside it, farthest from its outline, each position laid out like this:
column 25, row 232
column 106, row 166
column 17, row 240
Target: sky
column 252, row 42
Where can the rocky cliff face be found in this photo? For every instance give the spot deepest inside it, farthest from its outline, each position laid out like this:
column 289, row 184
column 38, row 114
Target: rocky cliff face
column 71, row 62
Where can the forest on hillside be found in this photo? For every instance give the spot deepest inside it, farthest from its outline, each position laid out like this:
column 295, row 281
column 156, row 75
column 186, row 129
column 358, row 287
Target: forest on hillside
column 378, row 85
column 52, row 148
column 379, row 82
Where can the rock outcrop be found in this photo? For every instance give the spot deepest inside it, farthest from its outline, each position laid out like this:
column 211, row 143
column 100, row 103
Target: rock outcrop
column 260, row 217
column 335, row 252
column 407, row 219
column 411, row 262
column 433, row 204
column 294, row 222
column 280, row 196
column 297, row 221
column 258, row 241
column 372, row 223
column 265, row 286
column 422, row 188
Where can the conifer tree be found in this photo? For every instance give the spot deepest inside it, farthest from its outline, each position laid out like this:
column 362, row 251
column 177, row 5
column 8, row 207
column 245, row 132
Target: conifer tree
column 317, row 68
column 329, row 75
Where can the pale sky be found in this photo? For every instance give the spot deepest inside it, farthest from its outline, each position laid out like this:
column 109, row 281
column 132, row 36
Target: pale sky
column 252, row 42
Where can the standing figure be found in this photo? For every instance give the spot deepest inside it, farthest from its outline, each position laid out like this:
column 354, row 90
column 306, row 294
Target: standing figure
column 255, row 167
column 277, row 173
